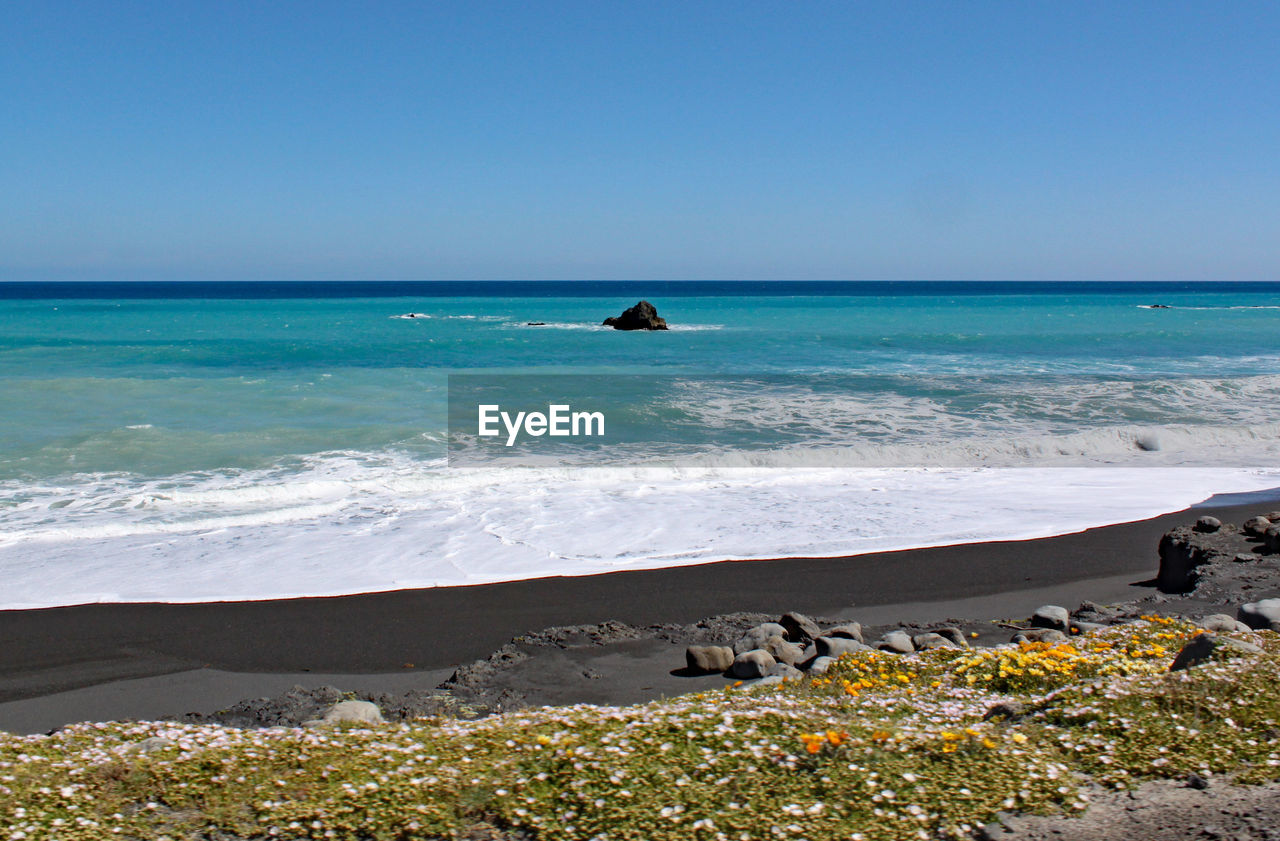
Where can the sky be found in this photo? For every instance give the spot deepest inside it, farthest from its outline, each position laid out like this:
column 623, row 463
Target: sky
column 639, row 140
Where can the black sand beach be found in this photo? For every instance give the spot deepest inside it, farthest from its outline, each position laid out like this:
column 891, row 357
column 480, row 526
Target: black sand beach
column 111, row 660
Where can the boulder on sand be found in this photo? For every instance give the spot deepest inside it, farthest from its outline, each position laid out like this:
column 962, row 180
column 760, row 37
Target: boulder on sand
column 897, row 641
column 751, row 664
column 849, row 630
column 708, row 659
column 800, row 627
column 783, row 651
column 1201, row 649
column 643, row 316
column 1051, row 616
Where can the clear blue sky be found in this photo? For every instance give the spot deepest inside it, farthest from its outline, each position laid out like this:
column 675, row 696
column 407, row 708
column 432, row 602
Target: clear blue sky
column 427, row 140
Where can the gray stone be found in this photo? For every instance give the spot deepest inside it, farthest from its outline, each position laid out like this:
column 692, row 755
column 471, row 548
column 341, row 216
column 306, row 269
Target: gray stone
column 708, row 659
column 953, row 634
column 758, row 636
column 751, row 664
column 352, row 712
column 836, row 646
column 1223, row 624
column 783, row 651
column 799, row 627
column 1079, row 626
column 1208, row 525
column 820, row 665
column 930, row 641
column 1202, row 648
column 1247, row 557
column 1272, row 537
column 1051, row 616
column 1256, row 526
column 1048, row 635
column 1262, row 616
column 760, row 683
column 785, row 671
column 810, row 651
column 896, row 641
column 849, row 630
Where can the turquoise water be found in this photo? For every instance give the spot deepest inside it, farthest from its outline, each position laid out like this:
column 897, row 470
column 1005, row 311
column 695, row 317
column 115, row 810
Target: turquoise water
column 160, row 387
column 192, row 427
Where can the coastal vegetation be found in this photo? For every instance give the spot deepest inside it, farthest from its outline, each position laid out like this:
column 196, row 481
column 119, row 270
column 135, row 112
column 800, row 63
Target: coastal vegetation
column 882, row 746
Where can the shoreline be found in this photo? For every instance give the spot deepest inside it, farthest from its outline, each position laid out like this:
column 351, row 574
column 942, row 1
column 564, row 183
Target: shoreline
column 75, row 662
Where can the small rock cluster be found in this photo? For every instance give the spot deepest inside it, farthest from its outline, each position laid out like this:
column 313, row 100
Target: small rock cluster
column 796, row 644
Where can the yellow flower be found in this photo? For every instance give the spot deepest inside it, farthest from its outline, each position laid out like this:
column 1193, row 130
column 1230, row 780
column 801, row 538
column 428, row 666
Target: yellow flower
column 1019, row 738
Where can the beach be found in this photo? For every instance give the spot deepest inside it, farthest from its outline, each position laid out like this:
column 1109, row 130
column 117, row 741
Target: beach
column 151, row 660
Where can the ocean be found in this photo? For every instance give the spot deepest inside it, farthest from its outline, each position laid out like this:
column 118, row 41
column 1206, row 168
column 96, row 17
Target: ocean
column 215, row 441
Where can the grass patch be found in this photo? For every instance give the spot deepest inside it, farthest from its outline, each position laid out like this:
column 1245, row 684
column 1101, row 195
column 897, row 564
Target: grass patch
column 881, row 747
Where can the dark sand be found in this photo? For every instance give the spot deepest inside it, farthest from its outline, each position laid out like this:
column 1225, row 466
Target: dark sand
column 390, row 642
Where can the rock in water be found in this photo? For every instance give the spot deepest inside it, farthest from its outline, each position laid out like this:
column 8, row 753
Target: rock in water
column 643, row 316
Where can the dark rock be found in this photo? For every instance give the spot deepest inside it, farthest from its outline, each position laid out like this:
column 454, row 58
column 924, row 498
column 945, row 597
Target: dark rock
column 1271, row 538
column 1196, row 781
column 643, row 316
column 1184, row 550
column 1051, row 616
column 800, row 628
column 1247, row 557
column 1005, row 711
column 708, row 659
column 1208, row 525
column 1201, row 649
column 751, row 664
